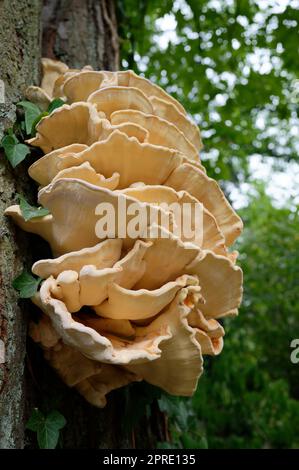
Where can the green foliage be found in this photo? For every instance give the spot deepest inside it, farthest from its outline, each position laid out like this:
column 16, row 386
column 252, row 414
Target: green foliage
column 31, row 212
column 32, row 115
column 37, row 120
column 186, row 430
column 26, row 284
column 26, row 123
column 47, row 427
column 233, row 66
column 269, row 256
column 56, row 103
column 14, row 150
column 248, row 397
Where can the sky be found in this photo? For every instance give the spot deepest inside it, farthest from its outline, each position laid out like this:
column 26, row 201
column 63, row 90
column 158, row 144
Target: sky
column 282, row 185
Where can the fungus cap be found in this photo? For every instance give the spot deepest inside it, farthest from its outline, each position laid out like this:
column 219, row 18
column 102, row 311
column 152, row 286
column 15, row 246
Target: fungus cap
column 117, row 305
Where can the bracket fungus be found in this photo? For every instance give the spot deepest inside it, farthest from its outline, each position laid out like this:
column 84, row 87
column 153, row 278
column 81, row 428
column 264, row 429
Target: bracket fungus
column 142, row 299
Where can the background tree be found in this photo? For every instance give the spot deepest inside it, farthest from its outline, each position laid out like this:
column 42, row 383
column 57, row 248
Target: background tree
column 233, row 65
column 249, row 395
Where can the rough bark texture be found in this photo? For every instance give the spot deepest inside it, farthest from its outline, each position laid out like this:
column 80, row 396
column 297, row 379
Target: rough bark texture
column 77, row 32
column 81, row 32
column 19, row 66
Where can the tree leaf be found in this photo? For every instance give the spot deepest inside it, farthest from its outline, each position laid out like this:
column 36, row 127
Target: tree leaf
column 56, row 103
column 36, row 121
column 35, row 421
column 32, row 112
column 11, row 132
column 26, row 284
column 30, row 212
column 48, row 434
column 14, row 151
column 46, row 427
column 47, row 437
column 56, row 419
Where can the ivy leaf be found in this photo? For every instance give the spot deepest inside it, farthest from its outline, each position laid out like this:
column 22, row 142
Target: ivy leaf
column 30, row 212
column 35, row 421
column 47, row 427
column 36, row 121
column 56, row 419
column 176, row 409
column 48, row 434
column 11, row 132
column 14, row 151
column 32, row 112
column 26, row 284
column 56, row 103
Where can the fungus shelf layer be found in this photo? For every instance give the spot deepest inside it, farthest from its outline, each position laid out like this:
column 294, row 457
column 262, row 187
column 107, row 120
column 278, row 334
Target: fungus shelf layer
column 119, row 308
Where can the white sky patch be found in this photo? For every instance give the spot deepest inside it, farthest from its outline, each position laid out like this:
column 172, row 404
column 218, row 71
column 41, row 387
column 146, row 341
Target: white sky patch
column 184, row 7
column 221, row 99
column 236, row 44
column 167, row 25
column 218, row 4
column 281, row 185
column 261, row 61
column 276, row 6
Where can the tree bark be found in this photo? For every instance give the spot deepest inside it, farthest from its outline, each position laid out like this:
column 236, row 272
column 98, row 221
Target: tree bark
column 20, row 64
column 78, row 33
column 81, row 33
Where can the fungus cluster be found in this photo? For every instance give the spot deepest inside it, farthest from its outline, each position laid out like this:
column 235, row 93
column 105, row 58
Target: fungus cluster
column 117, row 310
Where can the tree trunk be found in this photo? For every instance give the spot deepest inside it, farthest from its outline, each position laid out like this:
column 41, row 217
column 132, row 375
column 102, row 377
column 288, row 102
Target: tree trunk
column 20, row 64
column 78, row 33
column 81, row 33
